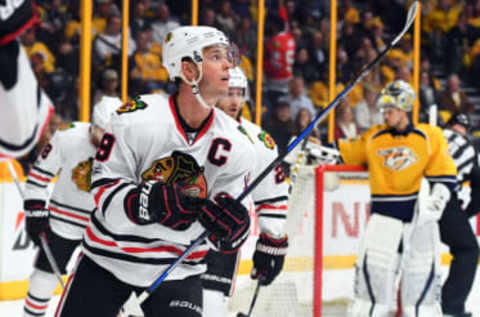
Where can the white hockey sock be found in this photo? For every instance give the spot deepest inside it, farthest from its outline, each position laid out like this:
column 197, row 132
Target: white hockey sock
column 215, row 304
column 40, row 290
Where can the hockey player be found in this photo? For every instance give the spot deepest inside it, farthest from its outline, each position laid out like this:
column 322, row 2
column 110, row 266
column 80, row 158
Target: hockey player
column 270, row 199
column 64, row 215
column 167, row 172
column 26, row 109
column 398, row 155
column 455, row 229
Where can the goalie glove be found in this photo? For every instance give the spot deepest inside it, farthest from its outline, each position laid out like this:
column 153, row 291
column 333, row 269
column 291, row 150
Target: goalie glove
column 431, row 207
column 228, row 222
column 155, row 202
column 36, row 219
column 268, row 258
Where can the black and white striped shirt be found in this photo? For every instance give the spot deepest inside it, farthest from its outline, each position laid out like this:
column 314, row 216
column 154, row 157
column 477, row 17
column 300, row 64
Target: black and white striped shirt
column 462, row 152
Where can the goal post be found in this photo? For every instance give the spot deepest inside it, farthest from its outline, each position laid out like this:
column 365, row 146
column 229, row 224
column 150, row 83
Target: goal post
column 322, row 185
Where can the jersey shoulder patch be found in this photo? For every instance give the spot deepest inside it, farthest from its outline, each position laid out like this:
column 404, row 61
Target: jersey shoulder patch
column 132, row 105
column 266, row 139
column 66, row 126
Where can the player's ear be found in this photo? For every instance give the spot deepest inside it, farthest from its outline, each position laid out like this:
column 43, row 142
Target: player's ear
column 189, row 70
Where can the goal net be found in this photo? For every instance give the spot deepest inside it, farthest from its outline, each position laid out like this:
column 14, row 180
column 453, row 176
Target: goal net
column 328, row 208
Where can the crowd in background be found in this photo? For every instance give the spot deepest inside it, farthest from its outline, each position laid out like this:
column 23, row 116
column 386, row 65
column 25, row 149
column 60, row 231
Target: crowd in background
column 297, row 39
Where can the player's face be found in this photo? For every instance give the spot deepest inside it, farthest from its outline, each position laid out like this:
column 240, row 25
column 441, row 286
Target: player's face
column 217, row 60
column 232, row 103
column 393, row 117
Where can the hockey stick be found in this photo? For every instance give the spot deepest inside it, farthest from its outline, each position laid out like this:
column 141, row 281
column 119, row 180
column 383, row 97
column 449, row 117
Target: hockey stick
column 412, row 12
column 252, row 304
column 43, row 236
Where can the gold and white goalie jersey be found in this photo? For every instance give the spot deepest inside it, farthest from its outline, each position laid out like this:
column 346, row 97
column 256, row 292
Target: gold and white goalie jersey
column 397, row 162
column 147, row 142
column 69, row 154
column 271, row 195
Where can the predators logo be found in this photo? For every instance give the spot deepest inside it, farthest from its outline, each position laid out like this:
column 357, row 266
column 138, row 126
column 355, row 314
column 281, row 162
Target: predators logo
column 131, row 106
column 398, row 158
column 82, row 175
column 267, row 140
column 179, row 168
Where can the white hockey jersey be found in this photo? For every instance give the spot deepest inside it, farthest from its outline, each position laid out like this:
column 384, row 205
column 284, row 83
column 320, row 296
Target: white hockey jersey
column 147, row 141
column 271, row 195
column 26, row 110
column 69, row 154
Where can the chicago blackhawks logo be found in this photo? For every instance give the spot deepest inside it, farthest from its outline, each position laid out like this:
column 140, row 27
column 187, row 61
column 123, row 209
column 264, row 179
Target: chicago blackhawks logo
column 131, row 106
column 179, row 168
column 398, row 158
column 82, row 175
column 267, row 140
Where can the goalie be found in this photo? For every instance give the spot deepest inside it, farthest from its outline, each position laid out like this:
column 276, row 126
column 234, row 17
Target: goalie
column 401, row 238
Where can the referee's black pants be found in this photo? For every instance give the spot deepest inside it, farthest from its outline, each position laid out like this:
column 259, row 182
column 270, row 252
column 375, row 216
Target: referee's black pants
column 457, row 233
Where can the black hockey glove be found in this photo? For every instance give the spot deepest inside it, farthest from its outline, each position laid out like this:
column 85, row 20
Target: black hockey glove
column 36, row 218
column 268, row 258
column 228, row 222
column 155, row 202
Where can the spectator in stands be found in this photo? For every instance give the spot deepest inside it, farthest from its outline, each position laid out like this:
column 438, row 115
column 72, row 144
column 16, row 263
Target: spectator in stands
column 67, row 55
column 302, row 120
column 279, row 58
column 139, row 20
column 108, row 44
column 303, row 67
column 32, row 46
column 280, row 124
column 366, row 112
column 298, row 98
column 345, row 126
column 225, row 18
column 318, row 50
column 458, row 42
column 108, row 86
column 426, row 95
column 246, row 37
column 163, row 24
column 148, row 73
column 437, row 23
column 452, row 99
column 208, row 17
column 103, row 9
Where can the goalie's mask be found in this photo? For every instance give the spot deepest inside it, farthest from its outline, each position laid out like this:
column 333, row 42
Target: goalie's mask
column 187, row 44
column 460, row 118
column 398, row 94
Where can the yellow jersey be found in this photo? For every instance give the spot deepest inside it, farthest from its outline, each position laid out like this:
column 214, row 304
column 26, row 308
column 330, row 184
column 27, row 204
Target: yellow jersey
column 397, row 161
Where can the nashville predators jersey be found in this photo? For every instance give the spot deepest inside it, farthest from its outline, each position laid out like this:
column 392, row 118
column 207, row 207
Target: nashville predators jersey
column 397, row 161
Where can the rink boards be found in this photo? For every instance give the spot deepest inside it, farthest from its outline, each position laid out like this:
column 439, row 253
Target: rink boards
column 345, row 211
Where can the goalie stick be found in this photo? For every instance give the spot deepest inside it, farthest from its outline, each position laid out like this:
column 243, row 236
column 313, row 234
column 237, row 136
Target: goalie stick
column 412, row 12
column 43, row 236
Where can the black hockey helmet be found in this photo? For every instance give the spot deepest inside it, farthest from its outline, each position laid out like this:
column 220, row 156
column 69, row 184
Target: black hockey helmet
column 460, row 118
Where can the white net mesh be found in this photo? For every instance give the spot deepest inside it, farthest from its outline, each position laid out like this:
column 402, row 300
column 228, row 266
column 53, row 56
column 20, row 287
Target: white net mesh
column 292, row 293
